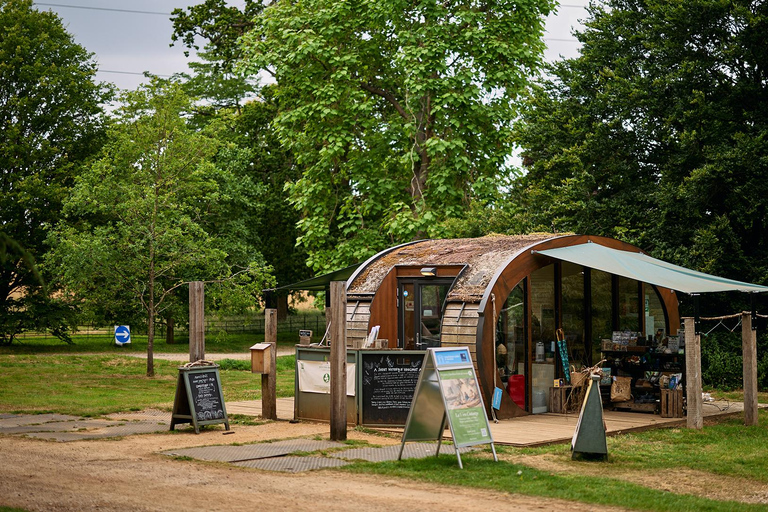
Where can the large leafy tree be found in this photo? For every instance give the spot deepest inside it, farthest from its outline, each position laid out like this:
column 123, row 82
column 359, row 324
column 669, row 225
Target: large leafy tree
column 213, row 77
column 656, row 134
column 398, row 113
column 154, row 212
column 249, row 125
column 51, row 122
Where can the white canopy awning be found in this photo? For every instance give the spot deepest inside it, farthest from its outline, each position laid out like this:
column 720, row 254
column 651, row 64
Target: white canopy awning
column 639, row 266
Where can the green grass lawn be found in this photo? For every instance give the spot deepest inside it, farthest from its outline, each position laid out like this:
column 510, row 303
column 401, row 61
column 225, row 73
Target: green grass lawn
column 727, row 449
column 93, row 385
column 596, row 490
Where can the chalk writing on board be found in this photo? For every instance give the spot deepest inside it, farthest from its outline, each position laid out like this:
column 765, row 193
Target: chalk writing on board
column 206, row 396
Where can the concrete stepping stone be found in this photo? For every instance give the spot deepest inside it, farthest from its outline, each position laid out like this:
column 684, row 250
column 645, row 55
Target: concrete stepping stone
column 411, row 451
column 292, row 464
column 231, row 453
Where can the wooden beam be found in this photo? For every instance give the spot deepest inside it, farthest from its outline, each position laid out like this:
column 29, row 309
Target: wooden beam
column 749, row 352
column 338, row 337
column 693, row 374
column 196, row 321
column 269, row 380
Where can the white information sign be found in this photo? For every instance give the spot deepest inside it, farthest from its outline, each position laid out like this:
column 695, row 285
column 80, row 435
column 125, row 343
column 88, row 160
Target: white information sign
column 315, row 377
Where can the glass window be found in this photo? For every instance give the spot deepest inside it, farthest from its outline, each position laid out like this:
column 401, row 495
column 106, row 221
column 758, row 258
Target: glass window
column 655, row 319
column 543, row 306
column 573, row 312
column 629, row 314
column 602, row 306
column 543, row 324
column 511, row 345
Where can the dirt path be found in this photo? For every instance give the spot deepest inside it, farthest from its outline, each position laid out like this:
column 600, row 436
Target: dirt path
column 130, row 475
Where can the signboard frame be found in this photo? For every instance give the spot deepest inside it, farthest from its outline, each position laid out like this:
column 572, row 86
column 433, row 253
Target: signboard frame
column 463, row 409
column 184, row 410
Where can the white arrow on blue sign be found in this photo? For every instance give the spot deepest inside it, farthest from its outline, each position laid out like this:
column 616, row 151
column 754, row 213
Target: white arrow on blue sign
column 122, row 334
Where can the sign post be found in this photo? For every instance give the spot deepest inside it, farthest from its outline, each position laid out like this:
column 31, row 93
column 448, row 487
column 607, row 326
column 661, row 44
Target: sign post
column 447, row 391
column 122, row 335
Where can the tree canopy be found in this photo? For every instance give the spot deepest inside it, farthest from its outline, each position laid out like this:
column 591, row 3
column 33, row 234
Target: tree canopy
column 152, row 213
column 656, row 134
column 398, row 113
column 51, row 118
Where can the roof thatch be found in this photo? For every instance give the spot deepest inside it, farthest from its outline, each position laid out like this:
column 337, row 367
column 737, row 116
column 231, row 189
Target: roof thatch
column 483, row 257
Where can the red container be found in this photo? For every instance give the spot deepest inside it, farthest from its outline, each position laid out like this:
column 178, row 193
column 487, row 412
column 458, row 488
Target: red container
column 516, row 389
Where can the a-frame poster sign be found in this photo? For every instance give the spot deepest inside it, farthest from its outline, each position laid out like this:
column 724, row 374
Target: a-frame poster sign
column 447, row 390
column 199, row 399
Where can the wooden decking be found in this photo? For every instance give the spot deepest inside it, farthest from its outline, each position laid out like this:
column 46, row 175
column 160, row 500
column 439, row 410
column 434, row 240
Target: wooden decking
column 533, row 430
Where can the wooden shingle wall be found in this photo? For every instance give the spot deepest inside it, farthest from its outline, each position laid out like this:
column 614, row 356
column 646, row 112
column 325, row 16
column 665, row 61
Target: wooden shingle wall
column 358, row 317
column 460, row 327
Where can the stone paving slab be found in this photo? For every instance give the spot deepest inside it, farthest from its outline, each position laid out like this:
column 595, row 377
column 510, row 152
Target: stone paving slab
column 246, row 452
column 119, row 430
column 17, row 420
column 292, row 464
column 58, row 426
column 411, row 451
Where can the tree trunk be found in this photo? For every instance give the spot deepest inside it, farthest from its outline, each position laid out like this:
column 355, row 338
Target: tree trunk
column 169, row 340
column 151, row 315
column 151, row 338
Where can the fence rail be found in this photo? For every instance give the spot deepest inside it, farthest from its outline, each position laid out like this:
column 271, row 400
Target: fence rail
column 247, row 325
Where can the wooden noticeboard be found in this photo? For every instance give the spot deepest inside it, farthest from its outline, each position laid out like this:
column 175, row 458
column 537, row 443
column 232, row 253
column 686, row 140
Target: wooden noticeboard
column 448, row 385
column 199, row 399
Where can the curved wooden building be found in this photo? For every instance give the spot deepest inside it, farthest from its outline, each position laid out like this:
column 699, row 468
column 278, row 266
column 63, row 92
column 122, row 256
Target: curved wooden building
column 504, row 299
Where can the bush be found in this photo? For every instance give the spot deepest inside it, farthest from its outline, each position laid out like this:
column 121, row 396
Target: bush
column 722, row 363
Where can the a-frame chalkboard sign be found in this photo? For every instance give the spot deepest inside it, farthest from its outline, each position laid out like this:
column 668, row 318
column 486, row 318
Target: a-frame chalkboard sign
column 199, row 400
column 447, row 391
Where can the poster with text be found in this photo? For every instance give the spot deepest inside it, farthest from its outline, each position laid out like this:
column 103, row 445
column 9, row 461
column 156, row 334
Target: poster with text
column 464, row 406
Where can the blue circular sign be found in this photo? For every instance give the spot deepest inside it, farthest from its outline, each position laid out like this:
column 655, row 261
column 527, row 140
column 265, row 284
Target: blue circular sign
column 122, row 334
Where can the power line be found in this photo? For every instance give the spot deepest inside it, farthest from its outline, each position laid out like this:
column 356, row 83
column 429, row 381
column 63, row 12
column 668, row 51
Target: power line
column 87, row 8
column 131, row 73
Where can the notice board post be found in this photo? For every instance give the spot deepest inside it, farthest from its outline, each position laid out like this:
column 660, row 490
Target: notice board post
column 338, row 361
column 694, row 418
column 269, row 379
column 196, row 321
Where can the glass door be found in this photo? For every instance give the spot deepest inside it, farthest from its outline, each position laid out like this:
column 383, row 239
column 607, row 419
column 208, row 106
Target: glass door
column 420, row 304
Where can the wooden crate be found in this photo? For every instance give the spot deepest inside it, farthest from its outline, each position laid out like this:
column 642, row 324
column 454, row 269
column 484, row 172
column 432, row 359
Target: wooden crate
column 559, row 400
column 671, row 403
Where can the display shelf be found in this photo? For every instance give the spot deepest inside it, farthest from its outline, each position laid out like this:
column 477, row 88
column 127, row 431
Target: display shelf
column 635, row 364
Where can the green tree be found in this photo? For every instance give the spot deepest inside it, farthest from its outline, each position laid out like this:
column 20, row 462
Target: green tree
column 151, row 214
column 214, row 78
column 398, row 113
column 656, row 134
column 271, row 227
column 51, row 122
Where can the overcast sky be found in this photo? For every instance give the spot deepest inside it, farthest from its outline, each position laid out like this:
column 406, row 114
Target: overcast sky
column 126, row 44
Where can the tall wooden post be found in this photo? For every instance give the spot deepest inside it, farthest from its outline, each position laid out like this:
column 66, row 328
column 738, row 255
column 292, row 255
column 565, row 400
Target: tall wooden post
column 338, row 337
column 196, row 321
column 269, row 380
column 693, row 374
column 749, row 353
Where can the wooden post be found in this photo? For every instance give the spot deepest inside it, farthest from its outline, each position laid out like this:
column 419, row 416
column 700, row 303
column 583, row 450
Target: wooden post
column 693, row 374
column 338, row 336
column 196, row 321
column 269, row 380
column 749, row 353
